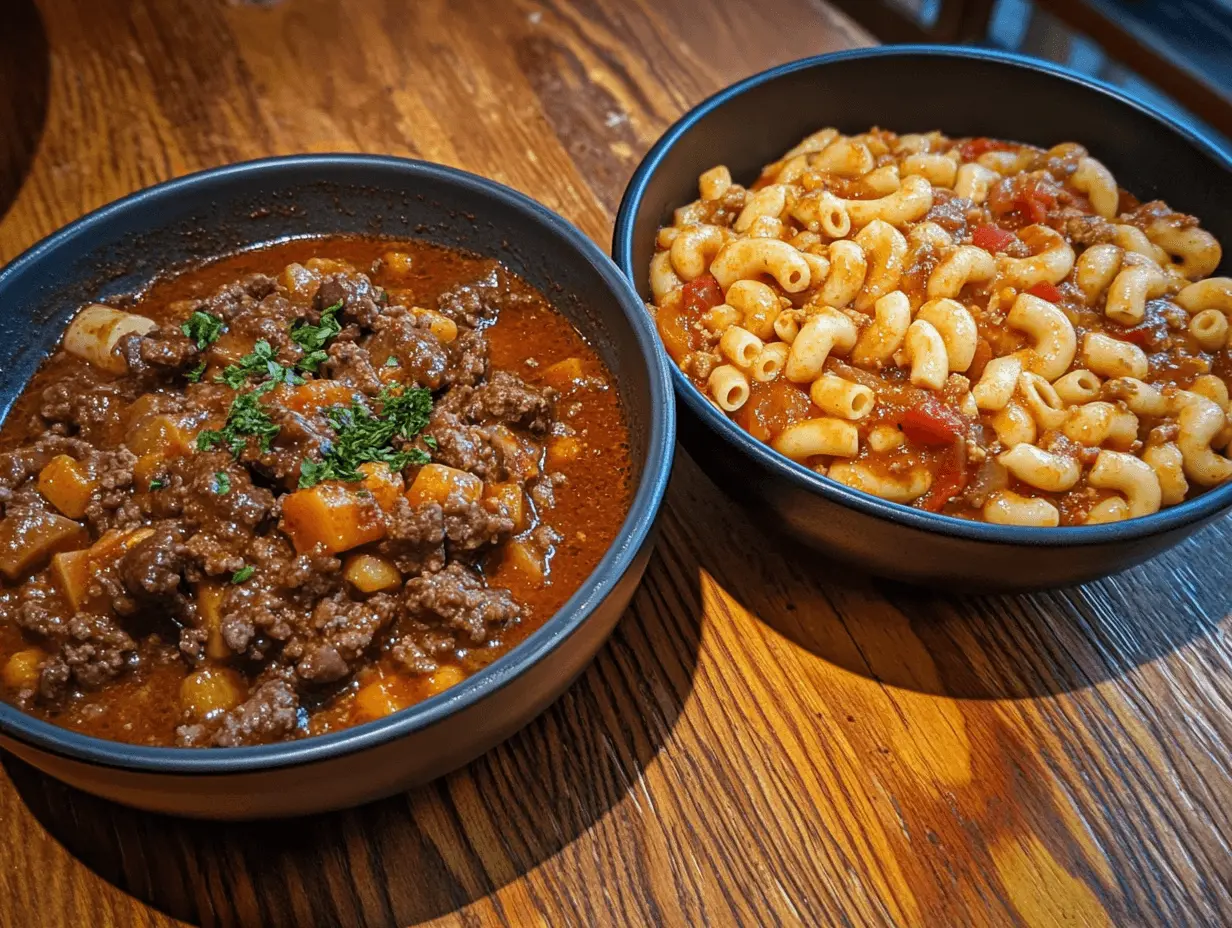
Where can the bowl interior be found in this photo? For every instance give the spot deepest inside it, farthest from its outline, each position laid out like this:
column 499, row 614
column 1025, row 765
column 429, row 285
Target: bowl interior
column 959, row 92
column 120, row 248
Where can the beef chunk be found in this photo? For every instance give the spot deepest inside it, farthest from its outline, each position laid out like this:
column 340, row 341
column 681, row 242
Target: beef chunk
column 352, row 365
column 152, row 569
column 346, row 630
column 457, row 598
column 477, row 302
column 508, row 398
column 92, row 410
column 270, row 713
column 470, row 525
column 164, row 349
column 418, row 354
column 468, row 359
column 415, row 537
column 96, row 649
column 355, row 292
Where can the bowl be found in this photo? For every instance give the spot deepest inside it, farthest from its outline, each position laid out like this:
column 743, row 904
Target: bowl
column 962, row 92
column 121, row 247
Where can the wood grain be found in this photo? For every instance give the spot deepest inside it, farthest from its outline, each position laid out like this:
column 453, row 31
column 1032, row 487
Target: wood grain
column 766, row 740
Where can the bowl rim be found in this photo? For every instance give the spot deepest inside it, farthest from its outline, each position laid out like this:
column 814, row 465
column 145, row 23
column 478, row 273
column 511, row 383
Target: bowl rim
column 1168, row 519
column 634, row 532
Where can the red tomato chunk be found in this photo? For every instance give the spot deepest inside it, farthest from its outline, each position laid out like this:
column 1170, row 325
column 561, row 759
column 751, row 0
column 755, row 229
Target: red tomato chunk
column 1045, row 291
column 990, row 238
column 702, row 294
column 932, row 423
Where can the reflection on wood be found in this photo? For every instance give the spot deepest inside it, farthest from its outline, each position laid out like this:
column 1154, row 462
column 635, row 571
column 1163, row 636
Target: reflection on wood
column 767, row 739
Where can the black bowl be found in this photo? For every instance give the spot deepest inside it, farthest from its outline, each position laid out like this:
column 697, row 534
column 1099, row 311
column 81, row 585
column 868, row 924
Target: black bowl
column 122, row 246
column 962, row 92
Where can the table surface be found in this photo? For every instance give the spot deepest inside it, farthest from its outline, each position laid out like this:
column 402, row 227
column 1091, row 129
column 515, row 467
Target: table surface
column 764, row 740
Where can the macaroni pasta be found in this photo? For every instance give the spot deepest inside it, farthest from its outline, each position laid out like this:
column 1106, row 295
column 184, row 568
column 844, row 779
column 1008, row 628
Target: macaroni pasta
column 970, row 326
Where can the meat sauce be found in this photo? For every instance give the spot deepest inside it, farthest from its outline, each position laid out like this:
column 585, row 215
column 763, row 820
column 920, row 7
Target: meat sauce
column 336, row 477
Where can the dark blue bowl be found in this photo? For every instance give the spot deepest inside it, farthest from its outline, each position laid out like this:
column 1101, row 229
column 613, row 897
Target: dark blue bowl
column 962, row 92
column 121, row 247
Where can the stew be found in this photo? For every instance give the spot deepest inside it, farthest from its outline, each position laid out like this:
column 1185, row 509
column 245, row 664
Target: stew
column 298, row 488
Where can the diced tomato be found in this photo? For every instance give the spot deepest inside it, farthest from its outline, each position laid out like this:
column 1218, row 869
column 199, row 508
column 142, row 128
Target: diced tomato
column 1045, row 291
column 992, row 239
column 701, row 294
column 973, row 148
column 1035, row 200
column 950, row 480
column 932, row 423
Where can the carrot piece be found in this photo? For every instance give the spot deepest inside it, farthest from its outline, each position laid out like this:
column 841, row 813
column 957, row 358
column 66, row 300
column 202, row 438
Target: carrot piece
column 158, row 435
column 508, row 500
column 561, row 450
column 563, row 374
column 437, row 482
column 316, row 395
column 67, row 485
column 384, row 483
column 331, row 516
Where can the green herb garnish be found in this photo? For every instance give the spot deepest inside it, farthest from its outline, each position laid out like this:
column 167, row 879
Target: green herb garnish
column 245, row 419
column 362, row 437
column 221, row 483
column 313, row 338
column 157, row 484
column 430, row 442
column 194, row 376
column 243, row 573
column 392, row 361
column 202, row 328
column 258, row 361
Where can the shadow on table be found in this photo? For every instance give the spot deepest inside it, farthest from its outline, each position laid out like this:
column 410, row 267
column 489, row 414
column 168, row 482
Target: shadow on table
column 432, row 850
column 24, row 81
column 967, row 647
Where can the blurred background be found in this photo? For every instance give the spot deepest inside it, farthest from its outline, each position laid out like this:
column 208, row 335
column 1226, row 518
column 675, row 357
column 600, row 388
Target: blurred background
column 1175, row 54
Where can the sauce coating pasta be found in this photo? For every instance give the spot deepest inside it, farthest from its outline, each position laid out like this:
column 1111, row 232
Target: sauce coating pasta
column 976, row 327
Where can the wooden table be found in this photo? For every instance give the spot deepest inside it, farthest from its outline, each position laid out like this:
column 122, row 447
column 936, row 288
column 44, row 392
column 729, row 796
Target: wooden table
column 765, row 740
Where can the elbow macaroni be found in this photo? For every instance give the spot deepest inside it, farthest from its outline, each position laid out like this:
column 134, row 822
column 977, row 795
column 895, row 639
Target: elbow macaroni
column 889, row 310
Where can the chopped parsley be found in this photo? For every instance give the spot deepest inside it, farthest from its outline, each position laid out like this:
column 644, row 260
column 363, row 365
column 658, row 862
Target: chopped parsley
column 194, row 376
column 245, row 419
column 221, row 483
column 202, row 328
column 157, row 484
column 392, row 361
column 362, row 437
column 313, row 338
column 258, row 361
column 243, row 573
column 430, row 442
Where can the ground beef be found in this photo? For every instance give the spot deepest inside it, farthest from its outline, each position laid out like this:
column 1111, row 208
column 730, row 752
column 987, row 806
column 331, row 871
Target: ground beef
column 153, row 569
column 457, row 598
column 96, row 649
column 476, row 302
column 271, row 713
column 400, row 340
column 238, row 297
column 470, row 525
column 415, row 537
column 505, row 397
column 468, row 359
column 361, row 302
column 112, row 505
column 91, row 410
column 165, row 349
column 346, row 629
column 352, row 365
column 1088, row 230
